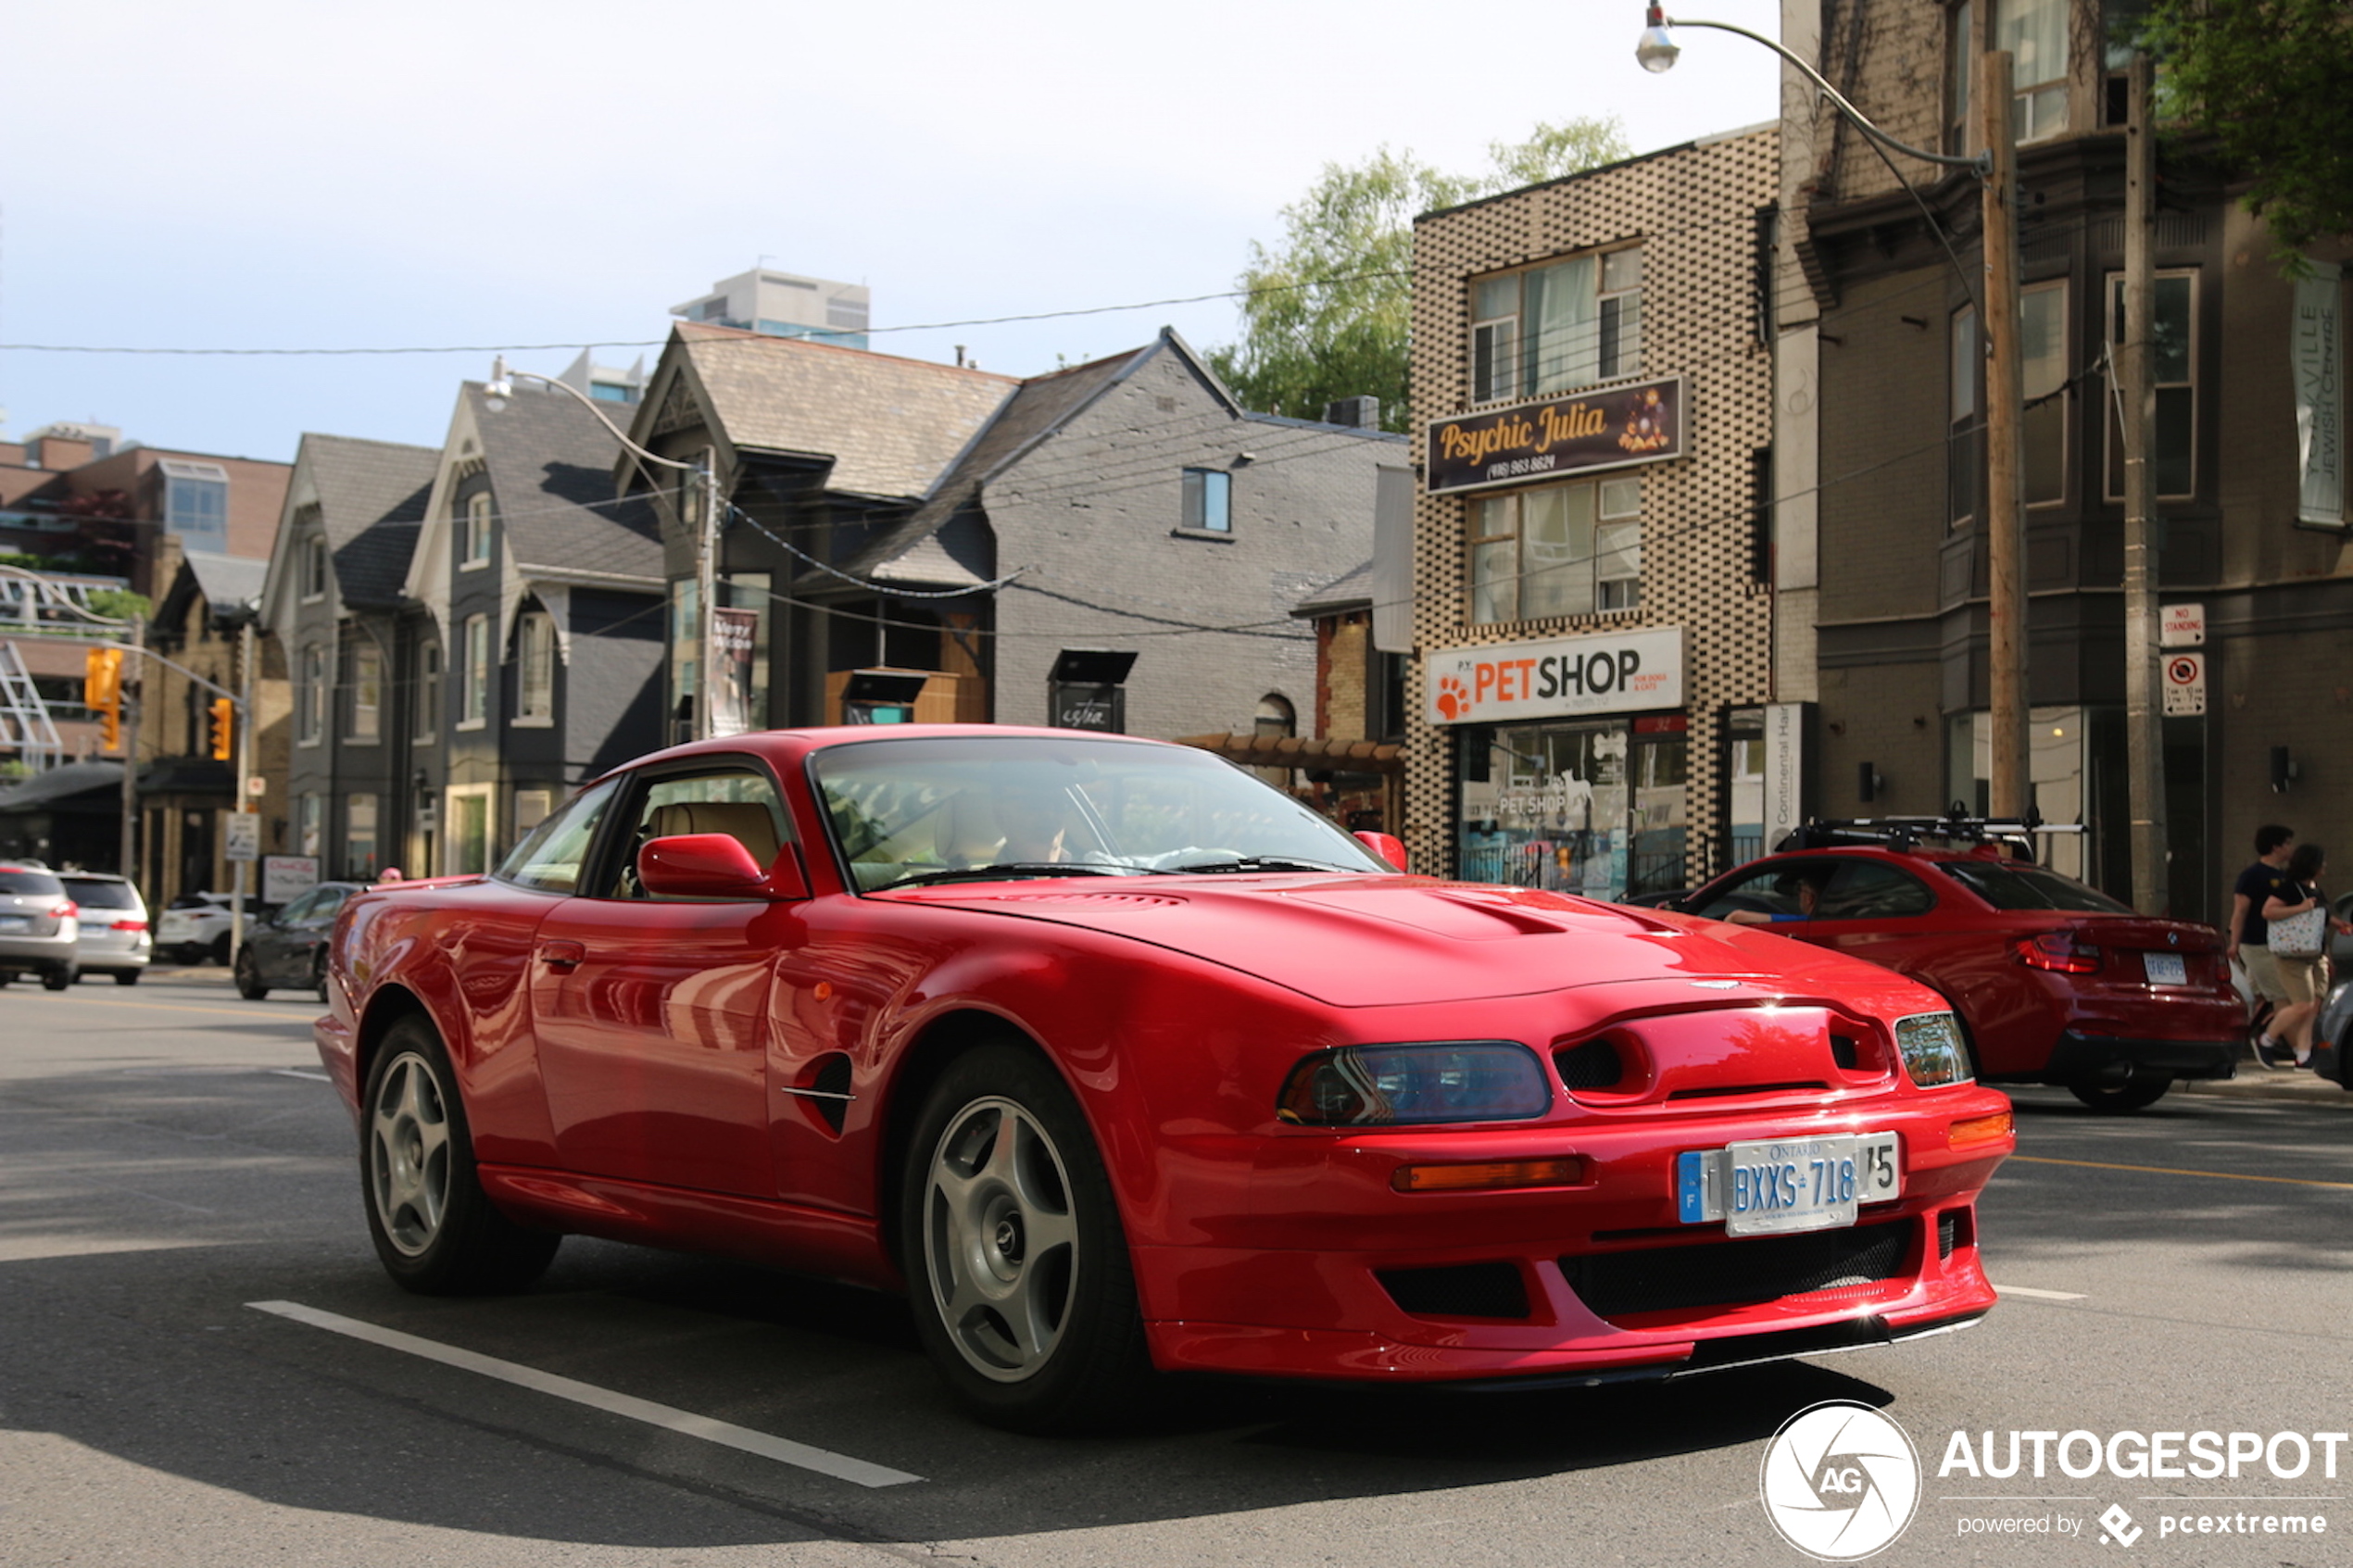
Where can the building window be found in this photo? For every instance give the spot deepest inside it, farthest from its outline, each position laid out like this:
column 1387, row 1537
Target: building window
column 474, row 535
column 1209, row 500
column 477, row 708
column 2043, row 424
column 428, row 688
column 310, row 824
column 536, row 653
column 196, row 504
column 314, row 566
column 1565, row 549
column 311, row 718
column 1960, row 67
column 1965, row 438
column 1549, row 329
column 2173, row 369
column 2035, row 32
column 359, row 838
column 367, row 693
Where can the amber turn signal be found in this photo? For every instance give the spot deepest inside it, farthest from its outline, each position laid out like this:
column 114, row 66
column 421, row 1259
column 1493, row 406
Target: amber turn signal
column 1978, row 1129
column 1490, row 1176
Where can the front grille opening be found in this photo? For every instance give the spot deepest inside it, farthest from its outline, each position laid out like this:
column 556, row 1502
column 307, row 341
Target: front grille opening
column 1593, row 1065
column 1844, row 1051
column 1956, row 1228
column 1737, row 1273
column 1719, row 1091
column 1459, row 1290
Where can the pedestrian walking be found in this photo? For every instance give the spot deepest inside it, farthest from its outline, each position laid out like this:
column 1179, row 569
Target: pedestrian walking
column 2298, row 924
column 2250, row 943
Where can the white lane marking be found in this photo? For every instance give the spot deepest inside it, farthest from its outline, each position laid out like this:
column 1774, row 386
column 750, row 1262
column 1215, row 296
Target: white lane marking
column 298, row 1072
column 782, row 1449
column 2038, row 1294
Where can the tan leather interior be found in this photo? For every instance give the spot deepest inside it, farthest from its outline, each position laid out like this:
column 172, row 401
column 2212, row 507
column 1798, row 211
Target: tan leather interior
column 747, row 822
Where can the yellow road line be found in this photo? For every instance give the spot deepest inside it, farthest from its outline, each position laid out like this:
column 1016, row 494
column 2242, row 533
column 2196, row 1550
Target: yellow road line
column 2170, row 1171
column 167, row 1006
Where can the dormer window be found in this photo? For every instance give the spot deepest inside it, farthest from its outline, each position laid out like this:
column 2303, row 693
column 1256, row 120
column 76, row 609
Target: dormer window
column 474, row 531
column 314, row 566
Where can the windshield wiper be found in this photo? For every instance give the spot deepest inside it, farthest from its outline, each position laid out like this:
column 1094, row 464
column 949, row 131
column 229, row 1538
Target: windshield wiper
column 1007, row 869
column 1259, row 863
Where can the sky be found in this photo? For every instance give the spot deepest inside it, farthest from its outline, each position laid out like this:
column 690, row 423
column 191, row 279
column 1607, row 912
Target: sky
column 251, row 174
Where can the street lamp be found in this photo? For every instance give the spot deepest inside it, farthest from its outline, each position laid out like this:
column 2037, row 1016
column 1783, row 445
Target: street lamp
column 496, row 394
column 1995, row 169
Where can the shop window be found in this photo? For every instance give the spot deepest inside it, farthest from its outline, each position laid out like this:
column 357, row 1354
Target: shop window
column 1561, row 551
column 1545, row 805
column 1549, row 329
column 2173, row 369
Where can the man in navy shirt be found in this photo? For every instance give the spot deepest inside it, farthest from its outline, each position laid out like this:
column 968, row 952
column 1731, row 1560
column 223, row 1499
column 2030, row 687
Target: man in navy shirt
column 2250, row 936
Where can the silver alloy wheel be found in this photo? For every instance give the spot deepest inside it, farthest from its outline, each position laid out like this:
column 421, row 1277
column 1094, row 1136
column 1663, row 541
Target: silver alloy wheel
column 1000, row 1238
column 409, row 1154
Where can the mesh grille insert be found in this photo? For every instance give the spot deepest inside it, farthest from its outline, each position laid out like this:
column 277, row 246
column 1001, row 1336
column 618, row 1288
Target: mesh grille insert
column 1462, row 1290
column 1593, row 1065
column 1730, row 1273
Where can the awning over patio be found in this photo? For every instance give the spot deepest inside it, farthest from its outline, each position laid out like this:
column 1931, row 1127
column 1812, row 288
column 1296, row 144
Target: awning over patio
column 1294, row 751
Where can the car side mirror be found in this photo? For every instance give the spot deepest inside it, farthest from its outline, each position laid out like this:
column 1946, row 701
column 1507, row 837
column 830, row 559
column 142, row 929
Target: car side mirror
column 1388, row 848
column 715, row 865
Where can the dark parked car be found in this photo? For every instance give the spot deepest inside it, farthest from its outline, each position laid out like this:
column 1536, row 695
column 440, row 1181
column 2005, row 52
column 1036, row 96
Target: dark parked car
column 288, row 950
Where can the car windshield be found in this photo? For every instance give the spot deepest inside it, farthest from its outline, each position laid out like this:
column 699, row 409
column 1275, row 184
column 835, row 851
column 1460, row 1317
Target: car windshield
column 2030, row 887
column 97, row 895
column 944, row 809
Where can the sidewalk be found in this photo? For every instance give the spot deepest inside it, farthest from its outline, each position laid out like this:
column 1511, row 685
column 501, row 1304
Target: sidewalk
column 2256, row 1081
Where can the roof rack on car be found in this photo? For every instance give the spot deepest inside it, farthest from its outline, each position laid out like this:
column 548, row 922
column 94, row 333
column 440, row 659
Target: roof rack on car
column 1956, row 827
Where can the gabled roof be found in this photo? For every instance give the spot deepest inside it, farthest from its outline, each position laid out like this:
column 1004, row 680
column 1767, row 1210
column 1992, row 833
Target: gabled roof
column 1350, row 590
column 887, row 425
column 371, row 496
column 550, row 462
column 230, row 586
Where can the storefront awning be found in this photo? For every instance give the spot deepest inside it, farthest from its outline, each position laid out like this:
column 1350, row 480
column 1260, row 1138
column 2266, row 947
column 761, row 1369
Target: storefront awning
column 1291, row 751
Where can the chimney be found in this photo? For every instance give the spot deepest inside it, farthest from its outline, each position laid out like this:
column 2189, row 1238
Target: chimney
column 1358, row 413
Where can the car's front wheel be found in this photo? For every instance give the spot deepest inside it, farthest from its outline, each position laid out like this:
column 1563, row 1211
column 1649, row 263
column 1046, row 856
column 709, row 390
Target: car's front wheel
column 436, row 1231
column 250, row 985
column 1024, row 1292
column 2121, row 1086
column 219, row 949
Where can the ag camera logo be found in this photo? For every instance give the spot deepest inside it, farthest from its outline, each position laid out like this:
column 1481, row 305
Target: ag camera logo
column 1839, row 1481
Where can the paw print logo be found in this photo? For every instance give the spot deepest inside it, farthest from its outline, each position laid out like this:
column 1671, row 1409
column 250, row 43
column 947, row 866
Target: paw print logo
column 1454, row 698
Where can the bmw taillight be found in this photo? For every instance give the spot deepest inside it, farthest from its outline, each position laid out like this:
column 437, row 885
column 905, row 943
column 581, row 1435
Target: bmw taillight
column 2062, row 952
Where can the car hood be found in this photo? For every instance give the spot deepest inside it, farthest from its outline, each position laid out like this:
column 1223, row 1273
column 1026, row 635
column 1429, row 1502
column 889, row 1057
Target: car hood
column 1376, row 941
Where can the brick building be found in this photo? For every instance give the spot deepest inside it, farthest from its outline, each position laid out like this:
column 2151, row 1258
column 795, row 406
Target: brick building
column 1593, row 619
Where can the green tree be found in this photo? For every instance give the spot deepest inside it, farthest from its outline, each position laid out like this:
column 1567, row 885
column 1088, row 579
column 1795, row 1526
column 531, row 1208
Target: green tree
column 1329, row 310
column 2272, row 81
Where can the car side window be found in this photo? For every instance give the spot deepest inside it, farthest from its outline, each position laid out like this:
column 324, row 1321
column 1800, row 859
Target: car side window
column 299, row 910
column 1873, row 890
column 551, row 858
column 1766, row 890
column 739, row 802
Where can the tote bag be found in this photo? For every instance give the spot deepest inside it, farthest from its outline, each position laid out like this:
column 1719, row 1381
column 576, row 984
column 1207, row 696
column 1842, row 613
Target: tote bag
column 2299, row 936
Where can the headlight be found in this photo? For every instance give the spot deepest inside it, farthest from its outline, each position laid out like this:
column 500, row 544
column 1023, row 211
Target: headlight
column 1397, row 1085
column 1933, row 1054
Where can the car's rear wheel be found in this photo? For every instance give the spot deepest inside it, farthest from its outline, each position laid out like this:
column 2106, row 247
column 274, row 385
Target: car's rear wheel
column 219, row 949
column 57, row 979
column 1023, row 1293
column 2121, row 1086
column 128, row 976
column 251, row 985
column 436, row 1231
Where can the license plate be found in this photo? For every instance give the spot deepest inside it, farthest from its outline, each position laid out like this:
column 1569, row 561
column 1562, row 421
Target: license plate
column 15, row 922
column 1791, row 1184
column 2166, row 969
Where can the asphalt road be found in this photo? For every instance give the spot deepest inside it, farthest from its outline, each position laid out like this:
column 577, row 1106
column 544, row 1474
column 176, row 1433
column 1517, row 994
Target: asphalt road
column 171, row 1155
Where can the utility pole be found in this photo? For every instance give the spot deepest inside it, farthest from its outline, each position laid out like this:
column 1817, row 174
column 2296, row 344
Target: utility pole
column 706, row 593
column 2012, row 793
column 243, row 768
column 132, row 689
column 2145, row 725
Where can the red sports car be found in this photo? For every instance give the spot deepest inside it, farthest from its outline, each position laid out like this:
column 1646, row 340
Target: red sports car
column 2055, row 982
column 1115, row 1059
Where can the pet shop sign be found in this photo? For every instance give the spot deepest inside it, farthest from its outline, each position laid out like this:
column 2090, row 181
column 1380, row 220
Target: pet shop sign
column 1617, row 672
column 1607, row 428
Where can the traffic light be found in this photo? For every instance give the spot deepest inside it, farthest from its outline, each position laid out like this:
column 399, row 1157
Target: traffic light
column 102, row 692
column 225, row 729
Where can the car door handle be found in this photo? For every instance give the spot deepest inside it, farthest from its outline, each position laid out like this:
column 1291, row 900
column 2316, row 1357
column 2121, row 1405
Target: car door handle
column 561, row 955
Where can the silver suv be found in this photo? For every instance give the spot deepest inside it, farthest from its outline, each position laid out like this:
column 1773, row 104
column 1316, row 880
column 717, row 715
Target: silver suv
column 39, row 927
column 115, row 939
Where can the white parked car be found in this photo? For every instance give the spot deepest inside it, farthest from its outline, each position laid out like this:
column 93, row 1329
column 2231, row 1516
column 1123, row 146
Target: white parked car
column 113, row 938
column 195, row 927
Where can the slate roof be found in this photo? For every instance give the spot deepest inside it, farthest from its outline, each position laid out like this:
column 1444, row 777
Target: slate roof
column 1350, row 590
column 230, row 586
column 889, row 425
column 371, row 500
column 550, row 462
column 909, row 552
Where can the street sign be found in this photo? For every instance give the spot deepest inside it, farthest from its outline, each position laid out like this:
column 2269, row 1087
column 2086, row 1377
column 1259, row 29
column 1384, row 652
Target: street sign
column 243, row 837
column 2180, row 626
column 256, row 786
column 287, row 877
column 2185, row 685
